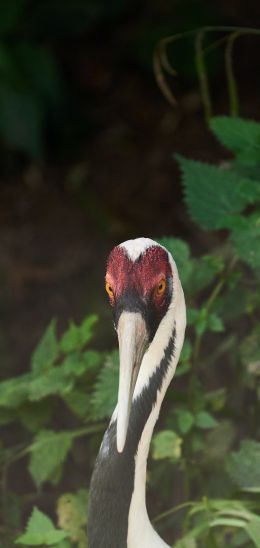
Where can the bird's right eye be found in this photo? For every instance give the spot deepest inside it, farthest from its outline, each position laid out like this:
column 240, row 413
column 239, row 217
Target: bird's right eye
column 109, row 290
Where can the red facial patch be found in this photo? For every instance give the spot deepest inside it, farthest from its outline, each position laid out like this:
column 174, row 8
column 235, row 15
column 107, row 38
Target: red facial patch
column 143, row 275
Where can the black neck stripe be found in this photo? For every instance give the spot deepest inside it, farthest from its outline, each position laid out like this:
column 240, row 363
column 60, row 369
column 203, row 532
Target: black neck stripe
column 112, row 482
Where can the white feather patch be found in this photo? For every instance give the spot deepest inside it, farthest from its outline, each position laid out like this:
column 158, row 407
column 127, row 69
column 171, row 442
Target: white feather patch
column 137, row 247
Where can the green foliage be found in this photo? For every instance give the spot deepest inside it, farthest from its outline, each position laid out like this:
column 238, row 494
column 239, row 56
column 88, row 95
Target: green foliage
column 240, row 136
column 216, row 397
column 47, row 350
column 77, row 336
column 33, row 94
column 213, row 194
column 243, row 466
column 104, row 397
column 48, row 452
column 166, row 445
column 40, row 530
column 72, row 516
column 220, row 197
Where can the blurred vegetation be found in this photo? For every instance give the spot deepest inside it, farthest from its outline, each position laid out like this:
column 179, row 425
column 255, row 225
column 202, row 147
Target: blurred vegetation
column 208, row 438
column 46, row 106
column 209, row 428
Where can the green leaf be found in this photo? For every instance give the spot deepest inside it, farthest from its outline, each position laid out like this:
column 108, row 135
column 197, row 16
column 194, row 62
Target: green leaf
column 204, row 271
column 48, row 453
column 181, row 254
column 34, row 416
column 253, row 530
column 212, row 194
column 54, row 381
column 77, row 363
column 14, row 392
column 40, row 530
column 46, row 351
column 244, row 465
column 228, row 522
column 76, row 337
column 166, row 445
column 185, row 420
column 215, row 323
column 203, row 320
column 198, row 318
column 239, row 135
column 72, row 514
column 204, row 420
column 79, row 403
column 104, row 397
column 246, row 239
column 219, row 442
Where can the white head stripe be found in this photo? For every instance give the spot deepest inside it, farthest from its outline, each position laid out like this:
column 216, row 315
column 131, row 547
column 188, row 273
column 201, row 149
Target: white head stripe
column 135, row 248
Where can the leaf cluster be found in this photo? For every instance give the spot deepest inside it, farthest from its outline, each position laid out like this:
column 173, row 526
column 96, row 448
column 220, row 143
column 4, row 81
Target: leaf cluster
column 208, row 434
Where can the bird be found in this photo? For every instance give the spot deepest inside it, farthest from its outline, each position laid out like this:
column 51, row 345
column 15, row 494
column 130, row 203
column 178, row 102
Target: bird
column 149, row 315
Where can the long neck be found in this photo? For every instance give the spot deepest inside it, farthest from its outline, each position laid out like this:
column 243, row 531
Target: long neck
column 117, row 513
column 167, row 344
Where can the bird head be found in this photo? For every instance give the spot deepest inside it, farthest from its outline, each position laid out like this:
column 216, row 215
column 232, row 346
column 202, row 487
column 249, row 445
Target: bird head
column 140, row 283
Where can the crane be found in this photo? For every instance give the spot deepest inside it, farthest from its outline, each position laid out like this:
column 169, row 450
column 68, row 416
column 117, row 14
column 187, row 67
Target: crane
column 149, row 313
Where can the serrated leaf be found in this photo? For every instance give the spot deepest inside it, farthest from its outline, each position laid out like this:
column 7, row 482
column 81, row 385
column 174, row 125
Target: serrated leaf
column 204, row 420
column 48, row 453
column 212, row 194
column 77, row 363
column 246, row 239
column 244, row 465
column 239, row 135
column 54, row 381
column 40, row 530
column 104, row 397
column 79, row 403
column 166, row 445
column 46, row 351
column 77, row 336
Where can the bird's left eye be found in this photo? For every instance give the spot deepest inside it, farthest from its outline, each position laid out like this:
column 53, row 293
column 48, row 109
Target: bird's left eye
column 161, row 287
column 109, row 290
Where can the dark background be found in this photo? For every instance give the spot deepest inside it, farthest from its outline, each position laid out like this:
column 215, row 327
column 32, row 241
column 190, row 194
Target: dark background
column 87, row 143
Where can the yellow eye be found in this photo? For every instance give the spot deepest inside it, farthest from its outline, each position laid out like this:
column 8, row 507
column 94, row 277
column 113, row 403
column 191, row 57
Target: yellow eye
column 109, row 290
column 161, row 287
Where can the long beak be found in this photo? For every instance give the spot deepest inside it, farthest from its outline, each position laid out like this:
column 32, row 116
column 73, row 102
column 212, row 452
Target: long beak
column 132, row 337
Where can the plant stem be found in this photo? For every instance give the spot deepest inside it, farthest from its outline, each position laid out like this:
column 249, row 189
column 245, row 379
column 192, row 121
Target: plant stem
column 202, row 74
column 231, row 82
column 209, row 303
column 171, row 511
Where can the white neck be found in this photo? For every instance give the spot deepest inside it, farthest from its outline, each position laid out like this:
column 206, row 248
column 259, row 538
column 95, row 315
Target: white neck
column 140, row 531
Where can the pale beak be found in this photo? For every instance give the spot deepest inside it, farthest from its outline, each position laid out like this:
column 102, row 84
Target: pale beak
column 133, row 338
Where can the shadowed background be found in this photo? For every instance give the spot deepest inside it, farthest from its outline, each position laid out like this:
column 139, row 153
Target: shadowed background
column 86, row 149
